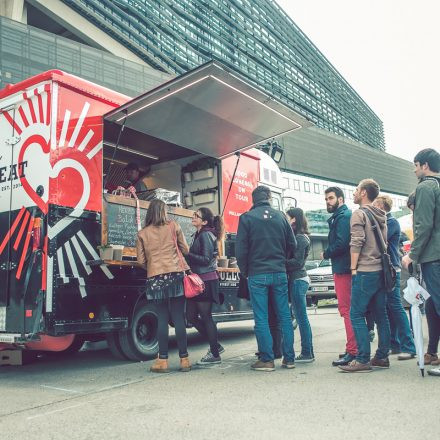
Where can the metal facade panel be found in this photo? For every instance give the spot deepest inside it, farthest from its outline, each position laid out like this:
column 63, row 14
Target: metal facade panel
column 316, row 152
column 255, row 38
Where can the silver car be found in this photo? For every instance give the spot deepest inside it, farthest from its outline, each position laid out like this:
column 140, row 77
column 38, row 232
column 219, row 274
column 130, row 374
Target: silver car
column 322, row 284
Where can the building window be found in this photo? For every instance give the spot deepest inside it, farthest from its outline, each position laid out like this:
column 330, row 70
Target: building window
column 296, row 185
column 307, row 187
column 316, row 188
column 286, row 182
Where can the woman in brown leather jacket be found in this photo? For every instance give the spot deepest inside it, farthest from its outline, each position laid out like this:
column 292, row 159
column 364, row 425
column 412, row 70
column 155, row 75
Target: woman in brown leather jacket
column 157, row 252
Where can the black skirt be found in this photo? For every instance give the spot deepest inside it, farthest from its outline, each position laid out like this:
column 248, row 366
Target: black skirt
column 210, row 294
column 164, row 286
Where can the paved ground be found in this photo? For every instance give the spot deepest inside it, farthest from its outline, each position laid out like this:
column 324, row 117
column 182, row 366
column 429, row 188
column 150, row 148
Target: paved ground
column 93, row 396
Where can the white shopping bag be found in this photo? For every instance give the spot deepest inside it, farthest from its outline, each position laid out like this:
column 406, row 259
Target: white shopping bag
column 414, row 292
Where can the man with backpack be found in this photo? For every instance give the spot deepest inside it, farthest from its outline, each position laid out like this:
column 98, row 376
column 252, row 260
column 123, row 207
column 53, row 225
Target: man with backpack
column 425, row 248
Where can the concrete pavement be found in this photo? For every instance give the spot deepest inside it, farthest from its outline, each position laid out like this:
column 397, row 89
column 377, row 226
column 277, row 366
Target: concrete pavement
column 93, row 396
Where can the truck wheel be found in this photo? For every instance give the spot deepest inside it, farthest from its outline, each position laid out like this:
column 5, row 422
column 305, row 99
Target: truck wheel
column 115, row 346
column 139, row 342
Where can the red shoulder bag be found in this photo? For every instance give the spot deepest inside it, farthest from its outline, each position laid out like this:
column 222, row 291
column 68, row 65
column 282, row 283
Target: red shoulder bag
column 193, row 285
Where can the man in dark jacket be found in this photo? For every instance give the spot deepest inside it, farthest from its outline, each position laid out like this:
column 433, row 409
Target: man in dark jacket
column 338, row 251
column 264, row 243
column 425, row 249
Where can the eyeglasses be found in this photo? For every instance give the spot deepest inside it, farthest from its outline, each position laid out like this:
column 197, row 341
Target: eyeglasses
column 195, row 215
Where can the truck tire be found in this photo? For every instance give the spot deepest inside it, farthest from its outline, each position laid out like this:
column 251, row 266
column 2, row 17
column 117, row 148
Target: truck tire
column 139, row 342
column 114, row 346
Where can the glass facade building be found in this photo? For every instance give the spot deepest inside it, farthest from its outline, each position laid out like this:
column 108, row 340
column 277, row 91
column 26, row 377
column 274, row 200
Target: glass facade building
column 26, row 51
column 254, row 37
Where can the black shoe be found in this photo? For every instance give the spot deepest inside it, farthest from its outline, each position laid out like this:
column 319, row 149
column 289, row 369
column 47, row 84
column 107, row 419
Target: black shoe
column 344, row 360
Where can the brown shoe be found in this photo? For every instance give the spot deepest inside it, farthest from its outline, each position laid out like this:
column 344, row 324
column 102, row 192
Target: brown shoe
column 263, row 366
column 380, row 363
column 356, row 367
column 160, row 366
column 185, row 364
column 430, row 358
column 435, row 362
column 288, row 364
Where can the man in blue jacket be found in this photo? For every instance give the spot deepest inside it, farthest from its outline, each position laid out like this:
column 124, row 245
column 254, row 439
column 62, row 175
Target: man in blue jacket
column 264, row 243
column 338, row 251
column 402, row 341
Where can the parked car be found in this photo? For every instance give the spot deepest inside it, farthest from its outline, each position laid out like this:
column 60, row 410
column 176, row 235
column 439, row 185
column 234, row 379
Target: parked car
column 312, row 264
column 321, row 285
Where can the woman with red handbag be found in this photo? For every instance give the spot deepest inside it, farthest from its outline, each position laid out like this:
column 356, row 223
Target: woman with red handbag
column 159, row 247
column 202, row 258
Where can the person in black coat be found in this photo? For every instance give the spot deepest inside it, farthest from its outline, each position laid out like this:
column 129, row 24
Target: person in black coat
column 202, row 259
column 264, row 243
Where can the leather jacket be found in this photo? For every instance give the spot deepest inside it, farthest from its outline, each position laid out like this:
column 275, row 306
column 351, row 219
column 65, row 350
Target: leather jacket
column 156, row 249
column 202, row 256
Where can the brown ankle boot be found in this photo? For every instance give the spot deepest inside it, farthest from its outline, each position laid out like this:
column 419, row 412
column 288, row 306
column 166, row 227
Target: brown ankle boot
column 160, row 366
column 185, row 364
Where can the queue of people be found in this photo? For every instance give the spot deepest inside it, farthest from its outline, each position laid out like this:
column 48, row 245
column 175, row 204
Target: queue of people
column 271, row 251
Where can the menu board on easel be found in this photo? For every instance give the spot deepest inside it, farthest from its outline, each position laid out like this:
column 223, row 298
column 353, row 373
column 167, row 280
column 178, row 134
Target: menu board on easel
column 119, row 220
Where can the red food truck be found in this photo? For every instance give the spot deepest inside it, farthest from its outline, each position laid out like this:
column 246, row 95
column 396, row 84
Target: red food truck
column 64, row 143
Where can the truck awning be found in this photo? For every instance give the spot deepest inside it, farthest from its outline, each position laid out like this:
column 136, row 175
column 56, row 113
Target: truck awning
column 210, row 110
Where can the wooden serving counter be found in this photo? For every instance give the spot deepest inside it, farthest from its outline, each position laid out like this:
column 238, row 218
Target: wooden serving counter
column 127, row 263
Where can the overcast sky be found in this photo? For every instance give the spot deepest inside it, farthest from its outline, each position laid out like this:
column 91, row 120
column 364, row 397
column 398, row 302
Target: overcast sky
column 388, row 51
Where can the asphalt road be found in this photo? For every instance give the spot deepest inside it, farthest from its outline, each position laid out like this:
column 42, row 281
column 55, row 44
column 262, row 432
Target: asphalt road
column 93, row 396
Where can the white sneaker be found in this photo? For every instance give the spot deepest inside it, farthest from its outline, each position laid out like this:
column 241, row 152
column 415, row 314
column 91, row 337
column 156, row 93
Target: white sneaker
column 434, row 372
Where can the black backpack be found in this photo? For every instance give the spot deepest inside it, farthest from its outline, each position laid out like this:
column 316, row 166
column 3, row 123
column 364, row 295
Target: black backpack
column 389, row 273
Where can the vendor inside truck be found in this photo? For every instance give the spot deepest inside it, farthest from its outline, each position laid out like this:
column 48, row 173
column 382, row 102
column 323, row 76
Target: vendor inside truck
column 134, row 178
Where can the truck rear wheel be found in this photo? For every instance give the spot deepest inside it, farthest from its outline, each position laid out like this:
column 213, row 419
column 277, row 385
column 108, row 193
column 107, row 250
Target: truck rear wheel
column 139, row 342
column 114, row 346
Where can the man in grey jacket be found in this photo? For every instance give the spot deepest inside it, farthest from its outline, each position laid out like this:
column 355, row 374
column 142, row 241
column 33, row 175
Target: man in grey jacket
column 425, row 249
column 368, row 288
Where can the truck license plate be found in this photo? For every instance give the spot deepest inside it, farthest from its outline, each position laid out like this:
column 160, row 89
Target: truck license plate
column 320, row 289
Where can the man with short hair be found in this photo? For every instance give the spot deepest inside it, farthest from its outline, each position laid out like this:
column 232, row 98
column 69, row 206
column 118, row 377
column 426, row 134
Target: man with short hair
column 402, row 341
column 368, row 290
column 425, row 248
column 264, row 243
column 134, row 178
column 338, row 251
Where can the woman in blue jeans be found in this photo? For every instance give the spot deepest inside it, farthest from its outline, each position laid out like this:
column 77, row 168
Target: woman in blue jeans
column 299, row 282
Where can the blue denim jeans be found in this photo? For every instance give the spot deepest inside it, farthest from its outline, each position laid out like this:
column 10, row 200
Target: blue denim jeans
column 367, row 291
column 401, row 336
column 298, row 289
column 431, row 276
column 260, row 287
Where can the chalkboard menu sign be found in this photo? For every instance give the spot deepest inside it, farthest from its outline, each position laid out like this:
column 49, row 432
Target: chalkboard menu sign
column 121, row 227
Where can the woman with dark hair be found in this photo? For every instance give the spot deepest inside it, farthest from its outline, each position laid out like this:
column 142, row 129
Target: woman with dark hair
column 299, row 282
column 158, row 254
column 202, row 258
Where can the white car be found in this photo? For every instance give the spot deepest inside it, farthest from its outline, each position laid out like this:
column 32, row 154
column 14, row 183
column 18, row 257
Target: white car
column 322, row 284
